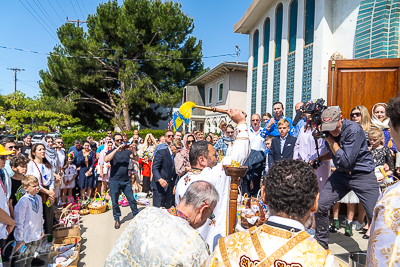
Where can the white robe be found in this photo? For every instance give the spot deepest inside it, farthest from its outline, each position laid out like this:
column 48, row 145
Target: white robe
column 211, row 231
column 156, row 238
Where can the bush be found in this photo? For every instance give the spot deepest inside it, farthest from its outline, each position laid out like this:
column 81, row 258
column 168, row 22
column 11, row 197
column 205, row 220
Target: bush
column 69, row 138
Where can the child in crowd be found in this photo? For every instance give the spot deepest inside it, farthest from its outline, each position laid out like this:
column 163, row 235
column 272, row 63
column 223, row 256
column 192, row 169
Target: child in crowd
column 383, row 156
column 145, row 163
column 28, row 222
column 19, row 167
column 267, row 142
column 282, row 146
column 70, row 174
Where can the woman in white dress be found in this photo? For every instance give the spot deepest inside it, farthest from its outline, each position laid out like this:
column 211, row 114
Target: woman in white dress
column 42, row 170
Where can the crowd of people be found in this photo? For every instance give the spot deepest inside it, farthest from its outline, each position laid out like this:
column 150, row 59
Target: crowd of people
column 183, row 174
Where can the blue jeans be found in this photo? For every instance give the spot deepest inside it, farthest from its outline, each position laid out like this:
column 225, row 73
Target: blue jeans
column 115, row 188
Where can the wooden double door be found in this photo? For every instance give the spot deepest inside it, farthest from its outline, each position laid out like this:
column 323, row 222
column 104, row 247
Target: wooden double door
column 362, row 82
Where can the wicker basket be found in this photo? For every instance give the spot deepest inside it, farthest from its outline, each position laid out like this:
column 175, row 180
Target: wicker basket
column 97, row 210
column 59, row 242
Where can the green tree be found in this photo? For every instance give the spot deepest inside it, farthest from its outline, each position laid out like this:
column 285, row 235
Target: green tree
column 133, row 55
column 34, row 114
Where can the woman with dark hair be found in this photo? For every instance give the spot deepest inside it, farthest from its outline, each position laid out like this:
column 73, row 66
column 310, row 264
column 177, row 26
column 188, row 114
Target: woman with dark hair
column 42, row 170
column 85, row 159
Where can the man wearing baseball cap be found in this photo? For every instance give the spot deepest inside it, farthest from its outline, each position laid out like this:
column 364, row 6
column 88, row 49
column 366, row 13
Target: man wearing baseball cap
column 347, row 146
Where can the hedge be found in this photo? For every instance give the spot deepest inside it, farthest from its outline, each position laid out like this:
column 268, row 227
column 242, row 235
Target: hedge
column 69, row 138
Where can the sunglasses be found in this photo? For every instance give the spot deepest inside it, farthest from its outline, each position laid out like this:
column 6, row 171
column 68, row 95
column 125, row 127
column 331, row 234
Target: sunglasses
column 190, row 142
column 118, row 140
column 357, row 114
column 212, row 216
column 255, row 120
column 11, row 147
column 171, row 135
column 60, row 143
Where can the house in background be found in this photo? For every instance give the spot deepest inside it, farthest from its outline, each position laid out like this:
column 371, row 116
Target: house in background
column 292, row 41
column 222, row 87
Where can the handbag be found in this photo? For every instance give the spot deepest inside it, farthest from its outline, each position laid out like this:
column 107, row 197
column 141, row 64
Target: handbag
column 98, row 169
column 105, row 168
column 44, row 196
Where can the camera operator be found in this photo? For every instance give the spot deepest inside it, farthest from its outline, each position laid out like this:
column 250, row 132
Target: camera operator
column 119, row 178
column 347, row 146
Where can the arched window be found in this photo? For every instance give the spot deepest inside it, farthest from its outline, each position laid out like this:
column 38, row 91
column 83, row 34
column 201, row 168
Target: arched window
column 292, row 26
column 267, row 30
column 309, row 22
column 278, row 30
column 255, row 49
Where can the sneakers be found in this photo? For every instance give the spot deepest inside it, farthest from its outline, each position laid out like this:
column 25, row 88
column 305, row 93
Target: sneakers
column 334, row 227
column 358, row 226
column 349, row 229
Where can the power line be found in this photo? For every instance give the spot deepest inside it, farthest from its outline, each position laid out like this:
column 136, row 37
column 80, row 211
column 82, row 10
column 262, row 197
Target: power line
column 83, row 3
column 110, row 58
column 80, row 8
column 61, row 8
column 74, row 8
column 38, row 20
column 45, row 15
column 55, row 11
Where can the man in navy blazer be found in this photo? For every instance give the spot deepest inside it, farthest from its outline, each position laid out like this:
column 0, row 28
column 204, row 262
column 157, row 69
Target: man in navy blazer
column 164, row 177
column 282, row 146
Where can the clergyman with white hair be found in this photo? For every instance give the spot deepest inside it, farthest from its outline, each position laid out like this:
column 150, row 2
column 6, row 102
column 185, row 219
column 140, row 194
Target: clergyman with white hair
column 167, row 237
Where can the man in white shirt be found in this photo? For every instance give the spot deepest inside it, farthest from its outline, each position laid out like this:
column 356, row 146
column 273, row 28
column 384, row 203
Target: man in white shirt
column 255, row 134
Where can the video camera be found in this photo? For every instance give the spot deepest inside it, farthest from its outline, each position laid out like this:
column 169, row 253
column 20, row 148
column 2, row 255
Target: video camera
column 315, row 109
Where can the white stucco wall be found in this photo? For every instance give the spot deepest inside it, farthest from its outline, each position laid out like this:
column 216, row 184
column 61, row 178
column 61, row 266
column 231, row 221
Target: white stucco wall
column 334, row 31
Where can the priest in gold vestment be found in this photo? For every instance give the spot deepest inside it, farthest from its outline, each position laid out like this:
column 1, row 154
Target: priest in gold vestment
column 291, row 192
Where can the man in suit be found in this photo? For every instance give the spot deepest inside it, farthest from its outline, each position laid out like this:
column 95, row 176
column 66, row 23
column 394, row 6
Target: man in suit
column 164, row 176
column 282, row 146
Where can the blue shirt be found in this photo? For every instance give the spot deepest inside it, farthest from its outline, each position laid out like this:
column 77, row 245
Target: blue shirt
column 100, row 148
column 274, row 127
column 296, row 129
column 353, row 154
column 222, row 144
column 283, row 140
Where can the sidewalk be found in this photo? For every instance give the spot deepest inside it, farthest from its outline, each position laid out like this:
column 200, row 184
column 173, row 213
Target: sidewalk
column 99, row 236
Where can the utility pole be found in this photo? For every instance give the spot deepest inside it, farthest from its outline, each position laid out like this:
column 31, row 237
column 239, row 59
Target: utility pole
column 237, row 53
column 15, row 79
column 77, row 21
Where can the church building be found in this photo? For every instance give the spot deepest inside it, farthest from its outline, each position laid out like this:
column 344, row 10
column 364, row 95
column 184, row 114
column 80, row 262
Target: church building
column 292, row 41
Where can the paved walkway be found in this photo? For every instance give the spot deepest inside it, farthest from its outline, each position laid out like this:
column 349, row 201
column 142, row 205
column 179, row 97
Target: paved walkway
column 99, row 236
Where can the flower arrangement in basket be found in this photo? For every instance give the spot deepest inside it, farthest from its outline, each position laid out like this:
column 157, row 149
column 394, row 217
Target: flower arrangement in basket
column 123, row 201
column 68, row 224
column 253, row 214
column 97, row 207
column 84, row 203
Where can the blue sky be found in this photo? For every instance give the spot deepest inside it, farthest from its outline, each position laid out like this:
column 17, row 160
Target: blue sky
column 214, row 20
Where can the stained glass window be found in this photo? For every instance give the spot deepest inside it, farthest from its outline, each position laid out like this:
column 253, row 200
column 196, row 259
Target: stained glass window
column 255, row 49
column 278, row 33
column 267, row 29
column 293, row 26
